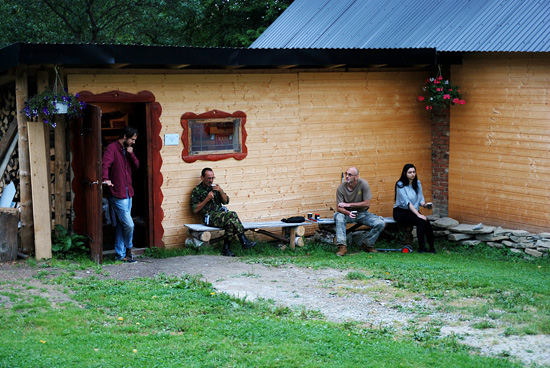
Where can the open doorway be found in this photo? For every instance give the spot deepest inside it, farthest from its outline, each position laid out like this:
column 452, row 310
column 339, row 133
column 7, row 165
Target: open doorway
column 103, row 121
column 114, row 117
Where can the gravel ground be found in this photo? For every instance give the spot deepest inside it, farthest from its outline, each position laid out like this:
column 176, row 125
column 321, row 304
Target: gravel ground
column 373, row 303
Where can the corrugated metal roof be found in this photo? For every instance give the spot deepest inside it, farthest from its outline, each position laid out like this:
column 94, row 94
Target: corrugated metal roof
column 446, row 25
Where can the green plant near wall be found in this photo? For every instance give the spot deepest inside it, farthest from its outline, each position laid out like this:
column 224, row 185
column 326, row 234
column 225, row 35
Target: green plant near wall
column 64, row 242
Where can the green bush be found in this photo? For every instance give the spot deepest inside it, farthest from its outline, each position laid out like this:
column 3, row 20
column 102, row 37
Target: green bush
column 66, row 243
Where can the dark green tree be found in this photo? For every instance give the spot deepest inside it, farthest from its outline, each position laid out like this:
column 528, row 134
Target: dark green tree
column 210, row 23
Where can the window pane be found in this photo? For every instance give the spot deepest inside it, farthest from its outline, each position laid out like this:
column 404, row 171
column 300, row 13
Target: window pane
column 207, row 136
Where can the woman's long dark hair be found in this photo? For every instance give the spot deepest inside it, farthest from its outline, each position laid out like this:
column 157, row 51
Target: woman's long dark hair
column 403, row 179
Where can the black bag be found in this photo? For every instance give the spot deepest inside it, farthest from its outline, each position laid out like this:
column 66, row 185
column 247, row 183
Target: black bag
column 294, row 220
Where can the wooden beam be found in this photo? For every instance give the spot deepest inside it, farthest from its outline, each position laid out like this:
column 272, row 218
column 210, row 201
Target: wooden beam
column 60, row 172
column 180, row 66
column 60, row 167
column 40, row 192
column 27, row 226
column 118, row 66
column 5, row 142
column 5, row 79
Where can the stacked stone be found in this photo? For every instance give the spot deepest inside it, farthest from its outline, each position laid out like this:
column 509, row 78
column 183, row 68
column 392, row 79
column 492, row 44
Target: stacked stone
column 518, row 241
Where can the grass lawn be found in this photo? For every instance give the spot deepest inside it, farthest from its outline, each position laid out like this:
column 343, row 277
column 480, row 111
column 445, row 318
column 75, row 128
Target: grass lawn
column 184, row 322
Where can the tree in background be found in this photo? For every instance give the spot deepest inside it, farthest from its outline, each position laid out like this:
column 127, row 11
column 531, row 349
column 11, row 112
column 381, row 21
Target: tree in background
column 207, row 23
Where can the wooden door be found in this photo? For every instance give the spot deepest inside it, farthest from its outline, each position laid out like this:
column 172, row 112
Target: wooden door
column 90, row 132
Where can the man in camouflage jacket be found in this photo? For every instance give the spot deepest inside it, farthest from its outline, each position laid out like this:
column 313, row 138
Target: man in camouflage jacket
column 208, row 199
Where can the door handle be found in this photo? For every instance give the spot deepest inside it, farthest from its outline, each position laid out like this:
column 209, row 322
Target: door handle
column 91, row 183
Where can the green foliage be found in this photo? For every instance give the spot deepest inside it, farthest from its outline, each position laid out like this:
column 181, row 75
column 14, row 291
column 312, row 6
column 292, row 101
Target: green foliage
column 209, row 23
column 47, row 103
column 440, row 94
column 65, row 243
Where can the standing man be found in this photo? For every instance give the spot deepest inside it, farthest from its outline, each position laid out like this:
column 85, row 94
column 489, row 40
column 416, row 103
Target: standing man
column 208, row 199
column 353, row 202
column 118, row 162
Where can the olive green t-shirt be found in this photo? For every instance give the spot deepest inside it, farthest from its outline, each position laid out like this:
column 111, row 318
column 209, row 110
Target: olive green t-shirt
column 360, row 193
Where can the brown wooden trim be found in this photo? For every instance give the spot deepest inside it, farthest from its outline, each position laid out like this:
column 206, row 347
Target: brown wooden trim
column 116, row 96
column 155, row 192
column 76, row 185
column 212, row 114
column 157, row 178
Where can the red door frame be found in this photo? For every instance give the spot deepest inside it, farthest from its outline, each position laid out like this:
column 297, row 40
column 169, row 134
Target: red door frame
column 154, row 160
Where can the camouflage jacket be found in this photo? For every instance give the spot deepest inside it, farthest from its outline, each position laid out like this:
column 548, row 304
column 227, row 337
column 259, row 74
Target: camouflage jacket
column 198, row 195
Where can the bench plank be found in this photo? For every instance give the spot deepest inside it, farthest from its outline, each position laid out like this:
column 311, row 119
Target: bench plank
column 197, row 229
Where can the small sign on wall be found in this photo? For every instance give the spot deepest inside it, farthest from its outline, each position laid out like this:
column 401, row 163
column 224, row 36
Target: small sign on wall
column 171, row 139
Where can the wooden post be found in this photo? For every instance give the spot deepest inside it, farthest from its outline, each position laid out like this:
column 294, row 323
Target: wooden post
column 40, row 193
column 42, row 82
column 60, row 172
column 40, row 179
column 27, row 226
column 8, row 228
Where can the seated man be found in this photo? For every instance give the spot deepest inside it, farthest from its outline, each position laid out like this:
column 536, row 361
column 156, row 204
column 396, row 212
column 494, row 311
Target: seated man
column 353, row 201
column 207, row 199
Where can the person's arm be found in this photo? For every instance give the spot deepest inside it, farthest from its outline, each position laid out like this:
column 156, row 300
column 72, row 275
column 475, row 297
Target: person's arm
column 224, row 197
column 132, row 157
column 421, row 195
column 199, row 206
column 106, row 163
column 418, row 214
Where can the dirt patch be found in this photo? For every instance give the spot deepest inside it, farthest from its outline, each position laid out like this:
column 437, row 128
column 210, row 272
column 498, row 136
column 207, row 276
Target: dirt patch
column 371, row 302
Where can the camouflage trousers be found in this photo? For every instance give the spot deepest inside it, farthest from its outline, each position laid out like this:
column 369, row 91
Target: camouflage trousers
column 229, row 221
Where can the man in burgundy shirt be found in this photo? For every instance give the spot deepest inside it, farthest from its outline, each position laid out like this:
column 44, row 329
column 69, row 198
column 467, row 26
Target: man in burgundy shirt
column 118, row 162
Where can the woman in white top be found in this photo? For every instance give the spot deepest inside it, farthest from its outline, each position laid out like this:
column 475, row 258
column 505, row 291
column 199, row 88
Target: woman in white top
column 408, row 199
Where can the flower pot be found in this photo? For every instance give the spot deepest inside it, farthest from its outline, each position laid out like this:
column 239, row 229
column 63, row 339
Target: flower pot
column 61, row 108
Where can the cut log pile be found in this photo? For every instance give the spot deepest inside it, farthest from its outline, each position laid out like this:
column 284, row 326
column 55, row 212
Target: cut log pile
column 7, row 117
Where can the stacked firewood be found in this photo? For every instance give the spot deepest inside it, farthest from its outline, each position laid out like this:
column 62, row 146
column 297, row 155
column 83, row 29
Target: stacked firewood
column 8, row 115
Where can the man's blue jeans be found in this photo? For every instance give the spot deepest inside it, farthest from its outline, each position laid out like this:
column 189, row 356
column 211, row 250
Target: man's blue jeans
column 364, row 218
column 124, row 234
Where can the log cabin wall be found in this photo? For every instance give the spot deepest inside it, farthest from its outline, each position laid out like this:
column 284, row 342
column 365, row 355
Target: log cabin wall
column 500, row 140
column 304, row 129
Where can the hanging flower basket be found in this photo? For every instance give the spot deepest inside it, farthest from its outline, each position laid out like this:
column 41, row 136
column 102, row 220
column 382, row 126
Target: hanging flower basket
column 50, row 102
column 439, row 94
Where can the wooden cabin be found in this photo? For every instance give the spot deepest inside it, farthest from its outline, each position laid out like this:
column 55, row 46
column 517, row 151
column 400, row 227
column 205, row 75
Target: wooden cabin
column 301, row 124
column 490, row 157
column 280, row 122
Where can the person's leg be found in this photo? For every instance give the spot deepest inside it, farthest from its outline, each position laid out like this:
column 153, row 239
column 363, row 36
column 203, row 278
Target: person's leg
column 340, row 221
column 125, row 225
column 406, row 217
column 430, row 236
column 375, row 222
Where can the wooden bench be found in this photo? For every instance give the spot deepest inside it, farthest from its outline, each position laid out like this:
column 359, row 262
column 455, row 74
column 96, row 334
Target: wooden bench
column 329, row 225
column 292, row 232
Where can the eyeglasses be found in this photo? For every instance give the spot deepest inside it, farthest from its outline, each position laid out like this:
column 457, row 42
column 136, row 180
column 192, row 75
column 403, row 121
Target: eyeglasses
column 212, row 178
column 350, row 174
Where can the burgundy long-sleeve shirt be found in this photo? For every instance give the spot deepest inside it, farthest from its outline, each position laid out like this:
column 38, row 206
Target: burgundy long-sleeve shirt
column 117, row 167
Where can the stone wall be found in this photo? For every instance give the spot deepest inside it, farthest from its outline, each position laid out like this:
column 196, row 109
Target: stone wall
column 518, row 241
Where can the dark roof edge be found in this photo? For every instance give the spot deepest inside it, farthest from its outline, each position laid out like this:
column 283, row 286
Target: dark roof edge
column 97, row 54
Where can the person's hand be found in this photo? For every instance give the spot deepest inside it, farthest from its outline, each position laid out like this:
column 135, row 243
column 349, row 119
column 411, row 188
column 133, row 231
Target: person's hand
column 217, row 188
column 129, row 149
column 108, row 183
column 423, row 217
column 343, row 204
column 210, row 195
column 352, row 214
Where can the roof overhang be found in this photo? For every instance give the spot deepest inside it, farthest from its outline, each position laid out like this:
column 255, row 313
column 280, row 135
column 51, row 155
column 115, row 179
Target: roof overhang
column 164, row 57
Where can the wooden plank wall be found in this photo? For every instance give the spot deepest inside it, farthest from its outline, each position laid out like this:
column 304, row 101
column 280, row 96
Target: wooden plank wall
column 304, row 129
column 500, row 142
